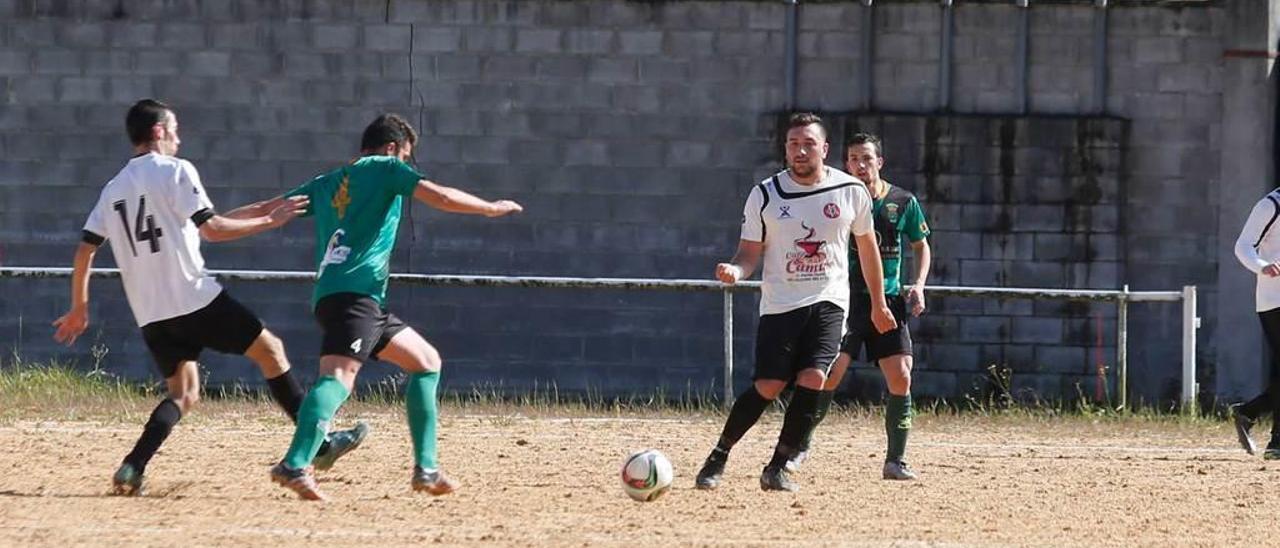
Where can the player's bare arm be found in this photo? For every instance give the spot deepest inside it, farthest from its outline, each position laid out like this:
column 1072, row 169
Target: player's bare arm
column 222, row 228
column 873, row 273
column 256, row 209
column 743, row 263
column 76, row 320
column 924, row 259
column 453, row 200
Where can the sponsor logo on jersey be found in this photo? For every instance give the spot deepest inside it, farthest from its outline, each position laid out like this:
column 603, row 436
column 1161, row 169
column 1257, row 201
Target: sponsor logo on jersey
column 832, row 211
column 808, row 260
column 334, row 251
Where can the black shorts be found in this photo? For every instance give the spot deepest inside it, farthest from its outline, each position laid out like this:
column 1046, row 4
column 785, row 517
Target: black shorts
column 862, row 333
column 355, row 326
column 223, row 325
column 803, row 338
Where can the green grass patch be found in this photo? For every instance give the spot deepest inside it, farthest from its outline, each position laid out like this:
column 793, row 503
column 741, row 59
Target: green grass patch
column 59, row 391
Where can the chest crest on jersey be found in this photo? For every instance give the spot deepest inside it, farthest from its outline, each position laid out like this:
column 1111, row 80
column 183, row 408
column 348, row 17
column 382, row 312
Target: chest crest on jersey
column 343, row 197
column 891, row 212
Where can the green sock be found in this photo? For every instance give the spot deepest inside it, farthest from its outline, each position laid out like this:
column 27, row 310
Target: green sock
column 420, row 402
column 824, row 405
column 897, row 424
column 318, row 408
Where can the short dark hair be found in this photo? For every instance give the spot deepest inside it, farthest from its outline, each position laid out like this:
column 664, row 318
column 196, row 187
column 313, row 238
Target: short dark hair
column 802, row 119
column 385, row 129
column 142, row 116
column 863, row 139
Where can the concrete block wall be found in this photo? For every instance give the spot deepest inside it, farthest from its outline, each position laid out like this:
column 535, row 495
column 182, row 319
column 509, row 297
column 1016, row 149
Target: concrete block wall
column 1012, row 201
column 630, row 130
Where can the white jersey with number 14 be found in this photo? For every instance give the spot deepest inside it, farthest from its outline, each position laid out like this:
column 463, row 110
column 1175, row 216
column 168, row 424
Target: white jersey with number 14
column 145, row 212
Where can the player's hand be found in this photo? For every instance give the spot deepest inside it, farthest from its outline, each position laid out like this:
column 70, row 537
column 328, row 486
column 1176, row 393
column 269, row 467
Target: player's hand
column 1271, row 270
column 915, row 297
column 882, row 317
column 728, row 273
column 287, row 209
column 71, row 325
column 504, row 207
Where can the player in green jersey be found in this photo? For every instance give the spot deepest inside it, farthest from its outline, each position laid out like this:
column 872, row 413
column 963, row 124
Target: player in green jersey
column 357, row 211
column 896, row 214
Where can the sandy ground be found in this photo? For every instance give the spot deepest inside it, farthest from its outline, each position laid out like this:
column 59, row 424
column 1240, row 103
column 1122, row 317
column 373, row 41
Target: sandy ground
column 553, row 480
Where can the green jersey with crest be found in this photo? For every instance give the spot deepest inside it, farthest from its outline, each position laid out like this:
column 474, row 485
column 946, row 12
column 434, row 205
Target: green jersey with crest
column 895, row 215
column 357, row 211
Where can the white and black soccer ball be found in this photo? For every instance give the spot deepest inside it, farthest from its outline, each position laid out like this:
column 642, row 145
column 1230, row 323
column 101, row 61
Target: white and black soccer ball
column 646, row 475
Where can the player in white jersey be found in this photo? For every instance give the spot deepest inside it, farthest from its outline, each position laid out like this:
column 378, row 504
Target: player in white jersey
column 798, row 224
column 155, row 211
column 1258, row 249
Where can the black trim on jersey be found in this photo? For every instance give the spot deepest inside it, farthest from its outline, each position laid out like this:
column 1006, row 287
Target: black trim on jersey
column 202, row 216
column 1269, row 223
column 91, row 238
column 764, row 202
column 793, row 195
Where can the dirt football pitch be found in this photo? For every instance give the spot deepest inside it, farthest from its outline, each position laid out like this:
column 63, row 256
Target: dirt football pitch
column 551, row 478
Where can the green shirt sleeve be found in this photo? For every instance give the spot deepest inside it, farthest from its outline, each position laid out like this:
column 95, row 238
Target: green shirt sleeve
column 304, row 190
column 914, row 224
column 403, row 178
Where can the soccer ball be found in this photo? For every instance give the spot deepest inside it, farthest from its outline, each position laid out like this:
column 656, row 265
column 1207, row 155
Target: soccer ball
column 646, row 475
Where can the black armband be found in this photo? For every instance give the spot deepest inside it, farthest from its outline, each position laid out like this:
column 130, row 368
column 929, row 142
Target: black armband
column 91, row 238
column 202, row 216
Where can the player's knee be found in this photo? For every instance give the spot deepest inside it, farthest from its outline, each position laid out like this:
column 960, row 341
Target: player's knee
column 431, row 359
column 268, row 351
column 769, row 389
column 811, row 378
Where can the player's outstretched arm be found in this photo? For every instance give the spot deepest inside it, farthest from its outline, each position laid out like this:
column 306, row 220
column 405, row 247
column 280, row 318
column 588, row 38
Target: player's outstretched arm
column 873, row 274
column 255, row 209
column 743, row 263
column 76, row 320
column 222, row 228
column 924, row 260
column 454, row 200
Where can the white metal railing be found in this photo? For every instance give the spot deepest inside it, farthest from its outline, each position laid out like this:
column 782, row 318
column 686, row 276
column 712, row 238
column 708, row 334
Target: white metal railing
column 1122, row 298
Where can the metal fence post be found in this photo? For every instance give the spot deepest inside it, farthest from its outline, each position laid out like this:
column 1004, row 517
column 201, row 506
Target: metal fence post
column 1190, row 322
column 728, row 348
column 1122, row 348
column 944, row 57
column 1024, row 54
column 791, row 53
column 868, row 54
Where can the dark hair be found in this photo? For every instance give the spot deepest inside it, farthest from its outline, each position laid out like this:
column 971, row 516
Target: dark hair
column 142, row 116
column 802, row 119
column 385, row 129
column 862, row 139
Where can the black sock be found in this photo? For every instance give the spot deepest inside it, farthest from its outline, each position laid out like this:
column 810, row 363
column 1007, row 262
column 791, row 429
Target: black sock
column 288, row 393
column 1275, row 423
column 796, row 425
column 154, row 433
column 824, row 405
column 745, row 413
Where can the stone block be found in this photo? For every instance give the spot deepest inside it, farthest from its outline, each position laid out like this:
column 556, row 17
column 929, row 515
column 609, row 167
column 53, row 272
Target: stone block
column 983, row 273
column 539, row 40
column 983, row 329
column 337, row 37
column 59, row 61
column 208, row 63
column 386, row 38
